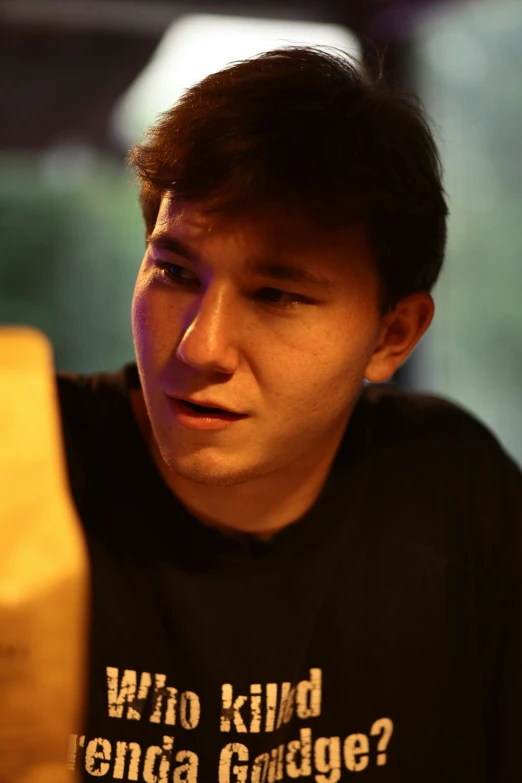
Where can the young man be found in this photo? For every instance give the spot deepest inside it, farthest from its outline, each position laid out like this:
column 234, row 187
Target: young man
column 305, row 576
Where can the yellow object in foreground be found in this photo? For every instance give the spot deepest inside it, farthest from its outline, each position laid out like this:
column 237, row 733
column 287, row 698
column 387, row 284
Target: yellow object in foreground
column 44, row 582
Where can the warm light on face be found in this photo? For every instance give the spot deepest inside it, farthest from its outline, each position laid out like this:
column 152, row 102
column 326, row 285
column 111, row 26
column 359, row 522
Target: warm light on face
column 203, row 326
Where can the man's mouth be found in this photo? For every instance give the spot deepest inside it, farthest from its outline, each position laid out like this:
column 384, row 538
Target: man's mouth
column 202, row 408
column 205, row 412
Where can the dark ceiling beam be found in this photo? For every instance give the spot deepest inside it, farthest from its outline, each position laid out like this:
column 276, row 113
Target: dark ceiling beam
column 64, row 63
column 132, row 17
column 138, row 16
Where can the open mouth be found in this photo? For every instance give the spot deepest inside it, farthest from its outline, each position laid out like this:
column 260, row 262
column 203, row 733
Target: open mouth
column 201, row 408
column 191, row 414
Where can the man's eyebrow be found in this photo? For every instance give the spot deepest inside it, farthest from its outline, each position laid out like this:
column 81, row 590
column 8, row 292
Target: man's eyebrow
column 276, row 270
column 167, row 242
column 273, row 269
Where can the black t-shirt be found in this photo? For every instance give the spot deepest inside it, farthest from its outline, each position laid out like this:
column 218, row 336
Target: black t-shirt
column 379, row 635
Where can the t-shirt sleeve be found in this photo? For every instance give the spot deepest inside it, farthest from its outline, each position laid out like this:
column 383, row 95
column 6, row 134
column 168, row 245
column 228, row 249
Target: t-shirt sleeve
column 497, row 493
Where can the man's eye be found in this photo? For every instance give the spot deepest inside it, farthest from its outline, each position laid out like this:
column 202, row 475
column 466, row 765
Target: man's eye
column 165, row 269
column 290, row 301
column 171, row 273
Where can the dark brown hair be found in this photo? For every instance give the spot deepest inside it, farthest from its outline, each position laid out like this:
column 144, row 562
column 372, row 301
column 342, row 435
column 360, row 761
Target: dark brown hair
column 305, row 127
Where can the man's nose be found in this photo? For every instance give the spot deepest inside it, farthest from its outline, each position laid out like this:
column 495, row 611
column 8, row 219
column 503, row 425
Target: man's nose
column 211, row 331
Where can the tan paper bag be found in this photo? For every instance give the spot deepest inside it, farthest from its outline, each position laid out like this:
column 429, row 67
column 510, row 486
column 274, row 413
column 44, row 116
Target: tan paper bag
column 44, row 582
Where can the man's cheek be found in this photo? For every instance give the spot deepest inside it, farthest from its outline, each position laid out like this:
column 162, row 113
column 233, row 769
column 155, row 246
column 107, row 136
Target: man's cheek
column 143, row 320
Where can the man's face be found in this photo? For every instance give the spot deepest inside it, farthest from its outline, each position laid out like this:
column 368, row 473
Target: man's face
column 212, row 328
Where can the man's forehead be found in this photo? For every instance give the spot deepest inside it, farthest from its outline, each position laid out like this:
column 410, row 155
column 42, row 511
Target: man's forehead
column 176, row 213
column 192, row 215
column 277, row 225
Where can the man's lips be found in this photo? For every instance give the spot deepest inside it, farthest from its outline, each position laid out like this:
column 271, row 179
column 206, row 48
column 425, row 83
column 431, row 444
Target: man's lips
column 201, row 417
column 217, row 406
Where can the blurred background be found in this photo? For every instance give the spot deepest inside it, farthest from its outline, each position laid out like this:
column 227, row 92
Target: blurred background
column 82, row 80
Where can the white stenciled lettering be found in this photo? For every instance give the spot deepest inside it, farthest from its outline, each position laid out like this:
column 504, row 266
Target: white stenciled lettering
column 189, row 710
column 255, row 708
column 308, row 699
column 327, row 759
column 227, row 767
column 275, row 769
column 164, row 702
column 125, row 693
column 97, row 757
column 230, row 710
column 383, row 726
column 164, row 696
column 265, row 707
column 303, row 747
column 285, row 691
column 271, row 706
column 260, row 768
column 187, row 772
column 72, row 749
column 122, row 748
column 153, row 765
column 356, row 749
column 156, row 755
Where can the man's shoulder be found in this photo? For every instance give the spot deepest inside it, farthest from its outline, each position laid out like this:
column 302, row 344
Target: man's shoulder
column 73, row 383
column 392, row 406
column 92, row 405
column 96, row 422
column 80, row 393
column 443, row 453
column 424, row 423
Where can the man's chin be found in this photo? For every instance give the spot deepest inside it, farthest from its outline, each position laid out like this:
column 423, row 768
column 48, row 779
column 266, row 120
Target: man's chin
column 200, row 469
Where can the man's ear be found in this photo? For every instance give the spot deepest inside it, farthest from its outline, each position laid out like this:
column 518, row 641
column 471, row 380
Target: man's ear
column 400, row 332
